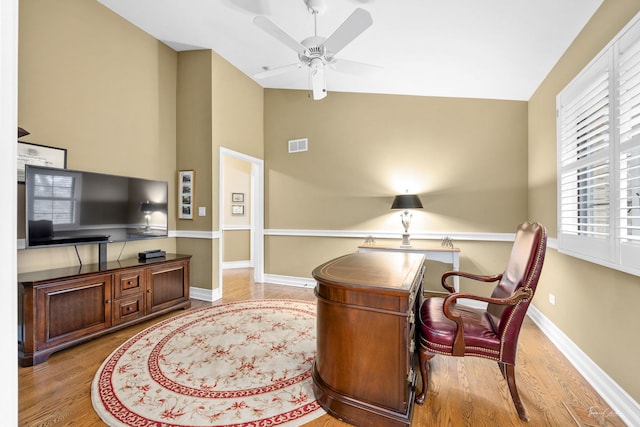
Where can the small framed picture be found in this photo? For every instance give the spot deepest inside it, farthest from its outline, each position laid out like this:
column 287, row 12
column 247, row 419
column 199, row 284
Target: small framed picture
column 186, row 183
column 41, row 155
column 237, row 197
column 237, row 209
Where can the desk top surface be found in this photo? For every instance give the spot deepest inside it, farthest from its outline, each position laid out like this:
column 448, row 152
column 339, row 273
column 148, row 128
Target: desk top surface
column 382, row 270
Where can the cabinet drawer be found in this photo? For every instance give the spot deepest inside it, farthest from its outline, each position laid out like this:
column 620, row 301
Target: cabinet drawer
column 130, row 282
column 128, row 308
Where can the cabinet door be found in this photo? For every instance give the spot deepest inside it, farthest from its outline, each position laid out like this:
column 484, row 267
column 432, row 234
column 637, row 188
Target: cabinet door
column 71, row 309
column 168, row 284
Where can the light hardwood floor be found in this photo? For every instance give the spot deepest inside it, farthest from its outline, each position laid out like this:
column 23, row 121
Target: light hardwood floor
column 462, row 392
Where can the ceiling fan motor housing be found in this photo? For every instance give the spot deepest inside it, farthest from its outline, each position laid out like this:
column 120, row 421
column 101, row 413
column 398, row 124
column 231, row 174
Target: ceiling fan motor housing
column 314, row 50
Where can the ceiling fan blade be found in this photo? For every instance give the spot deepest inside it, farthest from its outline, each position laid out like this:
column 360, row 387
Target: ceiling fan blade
column 353, row 67
column 269, row 27
column 354, row 25
column 277, row 70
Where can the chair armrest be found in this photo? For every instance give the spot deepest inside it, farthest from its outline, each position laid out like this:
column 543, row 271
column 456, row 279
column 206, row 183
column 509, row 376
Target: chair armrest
column 477, row 277
column 458, row 340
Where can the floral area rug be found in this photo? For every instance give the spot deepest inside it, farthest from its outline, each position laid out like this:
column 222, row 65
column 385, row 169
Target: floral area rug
column 239, row 364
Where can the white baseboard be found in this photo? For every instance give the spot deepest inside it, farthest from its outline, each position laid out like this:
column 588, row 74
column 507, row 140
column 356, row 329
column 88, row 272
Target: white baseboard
column 622, row 404
column 209, row 295
column 301, row 282
column 237, row 264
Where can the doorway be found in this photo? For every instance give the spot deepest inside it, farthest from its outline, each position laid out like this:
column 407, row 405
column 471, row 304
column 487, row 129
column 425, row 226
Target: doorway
column 252, row 200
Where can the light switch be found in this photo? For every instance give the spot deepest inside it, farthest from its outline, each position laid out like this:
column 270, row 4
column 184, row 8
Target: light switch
column 202, row 211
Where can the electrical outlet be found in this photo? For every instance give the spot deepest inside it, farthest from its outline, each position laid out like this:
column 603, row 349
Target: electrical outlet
column 552, row 299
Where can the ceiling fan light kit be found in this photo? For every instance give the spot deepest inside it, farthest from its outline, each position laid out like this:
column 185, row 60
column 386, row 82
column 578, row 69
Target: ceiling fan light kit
column 317, row 52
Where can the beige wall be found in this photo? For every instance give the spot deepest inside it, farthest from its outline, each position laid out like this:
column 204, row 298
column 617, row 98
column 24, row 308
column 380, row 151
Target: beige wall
column 237, row 245
column 194, row 122
column 467, row 159
column 218, row 106
column 237, row 179
column 106, row 91
column 195, row 152
column 121, row 102
column 589, row 298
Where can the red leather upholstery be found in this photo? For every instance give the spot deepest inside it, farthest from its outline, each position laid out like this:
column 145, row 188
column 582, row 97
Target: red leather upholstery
column 438, row 332
column 448, row 328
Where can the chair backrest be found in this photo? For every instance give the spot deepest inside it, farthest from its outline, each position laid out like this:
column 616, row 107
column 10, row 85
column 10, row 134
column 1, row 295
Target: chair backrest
column 522, row 271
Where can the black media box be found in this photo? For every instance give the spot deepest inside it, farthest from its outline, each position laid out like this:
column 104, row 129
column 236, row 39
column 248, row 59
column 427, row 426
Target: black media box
column 155, row 253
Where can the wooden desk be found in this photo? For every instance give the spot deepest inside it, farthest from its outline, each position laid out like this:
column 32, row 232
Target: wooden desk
column 440, row 254
column 364, row 371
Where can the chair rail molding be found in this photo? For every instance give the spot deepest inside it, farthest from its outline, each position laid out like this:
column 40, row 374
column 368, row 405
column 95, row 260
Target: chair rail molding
column 377, row 234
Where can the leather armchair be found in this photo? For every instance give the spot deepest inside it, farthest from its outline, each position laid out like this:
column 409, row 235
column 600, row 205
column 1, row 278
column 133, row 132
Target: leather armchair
column 451, row 329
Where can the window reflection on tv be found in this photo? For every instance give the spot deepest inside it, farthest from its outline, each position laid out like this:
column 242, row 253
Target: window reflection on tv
column 67, row 207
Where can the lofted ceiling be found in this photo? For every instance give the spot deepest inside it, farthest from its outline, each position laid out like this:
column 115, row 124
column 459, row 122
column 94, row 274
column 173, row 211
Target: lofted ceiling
column 495, row 49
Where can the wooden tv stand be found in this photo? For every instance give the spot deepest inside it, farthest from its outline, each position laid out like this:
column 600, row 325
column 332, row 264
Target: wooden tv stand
column 64, row 307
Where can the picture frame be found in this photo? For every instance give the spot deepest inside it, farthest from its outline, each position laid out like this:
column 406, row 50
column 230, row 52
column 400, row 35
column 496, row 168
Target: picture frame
column 40, row 155
column 186, row 191
column 237, row 209
column 237, row 197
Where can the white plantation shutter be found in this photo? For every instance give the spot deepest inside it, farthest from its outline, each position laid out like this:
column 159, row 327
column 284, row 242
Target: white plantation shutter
column 598, row 130
column 584, row 127
column 629, row 153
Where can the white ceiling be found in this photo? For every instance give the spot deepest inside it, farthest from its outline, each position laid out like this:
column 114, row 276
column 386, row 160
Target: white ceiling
column 496, row 49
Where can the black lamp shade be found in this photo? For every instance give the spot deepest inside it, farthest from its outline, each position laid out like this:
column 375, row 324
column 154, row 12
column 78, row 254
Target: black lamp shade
column 406, row 201
column 149, row 207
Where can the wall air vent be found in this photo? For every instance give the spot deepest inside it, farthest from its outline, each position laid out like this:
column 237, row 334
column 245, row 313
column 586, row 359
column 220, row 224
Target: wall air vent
column 298, row 145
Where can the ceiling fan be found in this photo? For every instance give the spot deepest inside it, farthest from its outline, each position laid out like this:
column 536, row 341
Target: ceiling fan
column 317, row 52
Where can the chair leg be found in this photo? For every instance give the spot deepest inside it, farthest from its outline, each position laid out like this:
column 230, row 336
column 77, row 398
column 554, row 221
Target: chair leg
column 509, row 373
column 502, row 370
column 425, row 356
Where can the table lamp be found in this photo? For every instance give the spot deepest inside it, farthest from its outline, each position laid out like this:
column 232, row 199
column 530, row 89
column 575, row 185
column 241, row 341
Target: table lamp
column 406, row 202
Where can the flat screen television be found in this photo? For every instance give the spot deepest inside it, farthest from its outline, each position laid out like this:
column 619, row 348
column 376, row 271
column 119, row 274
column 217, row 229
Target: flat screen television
column 71, row 207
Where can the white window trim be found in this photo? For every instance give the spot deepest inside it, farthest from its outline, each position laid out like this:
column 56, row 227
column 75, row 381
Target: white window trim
column 612, row 251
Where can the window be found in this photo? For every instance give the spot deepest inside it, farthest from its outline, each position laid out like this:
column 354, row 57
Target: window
column 54, row 198
column 599, row 157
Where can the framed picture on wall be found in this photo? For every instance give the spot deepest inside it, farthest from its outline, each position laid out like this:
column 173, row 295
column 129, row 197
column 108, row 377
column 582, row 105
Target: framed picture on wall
column 40, row 155
column 237, row 197
column 186, row 183
column 237, row 209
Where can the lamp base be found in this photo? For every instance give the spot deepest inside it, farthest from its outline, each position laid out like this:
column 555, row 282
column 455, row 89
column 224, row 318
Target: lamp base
column 405, row 241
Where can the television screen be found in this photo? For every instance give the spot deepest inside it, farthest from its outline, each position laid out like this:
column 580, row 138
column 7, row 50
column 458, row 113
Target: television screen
column 68, row 207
